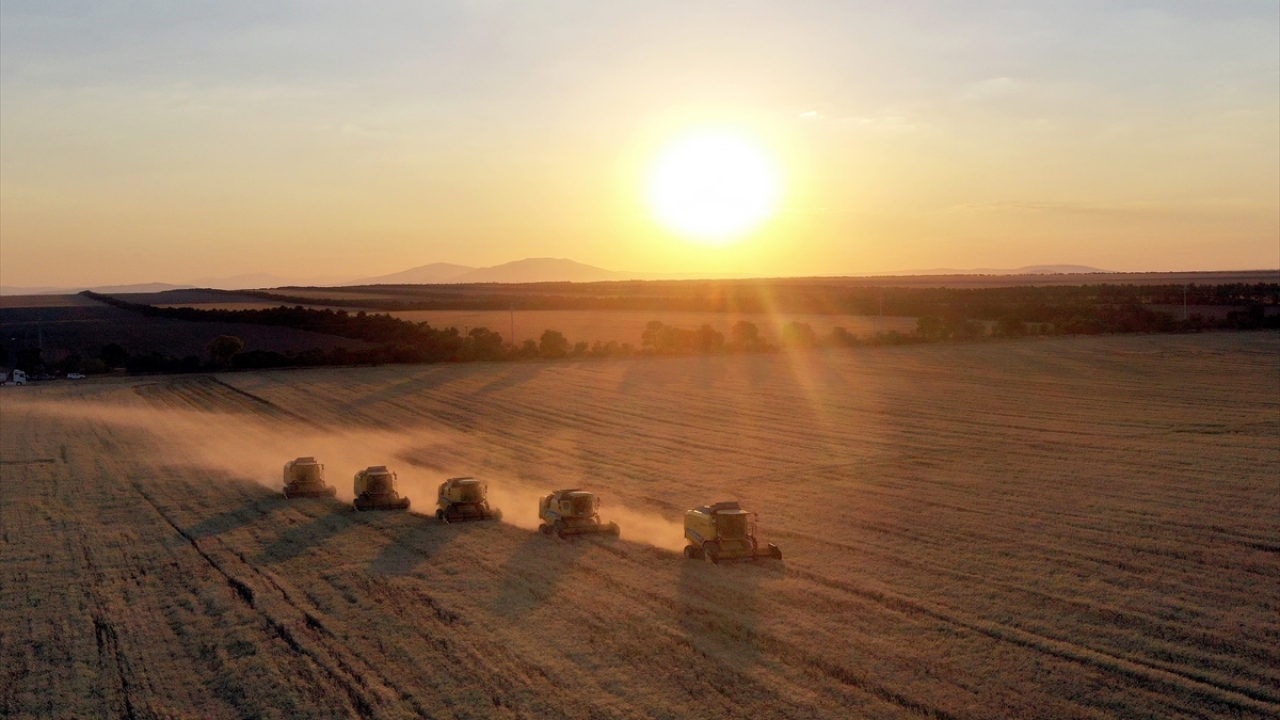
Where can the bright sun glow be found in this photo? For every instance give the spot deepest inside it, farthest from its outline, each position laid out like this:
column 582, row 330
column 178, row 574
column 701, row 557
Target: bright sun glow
column 713, row 186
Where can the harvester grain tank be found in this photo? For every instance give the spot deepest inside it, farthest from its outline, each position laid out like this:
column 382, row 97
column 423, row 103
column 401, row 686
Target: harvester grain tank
column 375, row 488
column 304, row 477
column 464, row 498
column 724, row 531
column 573, row 512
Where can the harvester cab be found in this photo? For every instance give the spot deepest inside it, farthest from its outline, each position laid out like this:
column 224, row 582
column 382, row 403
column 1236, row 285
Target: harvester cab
column 461, row 499
column 375, row 488
column 724, row 531
column 304, row 477
column 573, row 512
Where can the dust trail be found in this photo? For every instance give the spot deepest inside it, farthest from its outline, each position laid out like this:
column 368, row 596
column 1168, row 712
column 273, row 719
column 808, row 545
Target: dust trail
column 245, row 445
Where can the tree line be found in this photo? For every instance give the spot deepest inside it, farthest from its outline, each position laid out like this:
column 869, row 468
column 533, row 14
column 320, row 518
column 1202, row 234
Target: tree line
column 1041, row 304
column 386, row 339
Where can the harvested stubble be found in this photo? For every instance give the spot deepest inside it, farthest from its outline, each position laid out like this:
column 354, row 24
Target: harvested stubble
column 1059, row 528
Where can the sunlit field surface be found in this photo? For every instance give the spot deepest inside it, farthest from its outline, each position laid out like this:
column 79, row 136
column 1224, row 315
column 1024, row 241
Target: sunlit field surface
column 1081, row 527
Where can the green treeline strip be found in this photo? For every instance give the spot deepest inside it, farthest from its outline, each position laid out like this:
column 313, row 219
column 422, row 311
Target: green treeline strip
column 1047, row 304
column 392, row 340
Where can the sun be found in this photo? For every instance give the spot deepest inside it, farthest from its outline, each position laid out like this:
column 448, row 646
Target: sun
column 713, row 186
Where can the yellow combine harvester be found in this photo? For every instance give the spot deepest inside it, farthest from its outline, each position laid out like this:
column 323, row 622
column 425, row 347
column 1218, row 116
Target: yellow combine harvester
column 376, row 490
column 304, row 477
column 464, row 498
column 573, row 512
column 724, row 531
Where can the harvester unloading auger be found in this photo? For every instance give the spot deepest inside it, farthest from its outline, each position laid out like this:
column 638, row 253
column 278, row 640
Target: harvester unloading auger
column 573, row 512
column 724, row 531
column 375, row 488
column 464, row 498
column 304, row 477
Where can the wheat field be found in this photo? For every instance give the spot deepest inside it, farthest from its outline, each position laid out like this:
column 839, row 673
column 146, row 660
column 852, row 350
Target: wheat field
column 1048, row 528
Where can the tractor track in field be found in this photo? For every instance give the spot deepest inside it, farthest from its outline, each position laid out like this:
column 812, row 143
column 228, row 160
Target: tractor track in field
column 338, row 669
column 1240, row 698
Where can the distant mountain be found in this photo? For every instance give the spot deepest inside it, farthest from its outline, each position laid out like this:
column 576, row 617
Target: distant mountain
column 1027, row 270
column 262, row 280
column 1055, row 270
column 106, row 289
column 531, row 270
column 422, row 275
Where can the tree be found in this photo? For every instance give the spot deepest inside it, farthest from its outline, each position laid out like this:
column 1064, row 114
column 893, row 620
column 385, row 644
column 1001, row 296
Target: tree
column 798, row 334
column 649, row 336
column 485, row 344
column 113, row 355
column 1011, row 327
column 931, row 328
column 30, row 360
column 223, row 348
column 841, row 337
column 746, row 336
column 707, row 340
column 553, row 344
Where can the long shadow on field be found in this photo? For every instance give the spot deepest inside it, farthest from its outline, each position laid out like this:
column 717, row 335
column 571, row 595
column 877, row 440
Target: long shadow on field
column 430, row 379
column 296, row 540
column 256, row 503
column 534, row 571
column 719, row 608
column 517, row 375
column 414, row 539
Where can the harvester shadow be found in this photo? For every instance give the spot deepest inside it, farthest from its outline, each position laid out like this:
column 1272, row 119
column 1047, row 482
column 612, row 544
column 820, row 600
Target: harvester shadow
column 259, row 504
column 296, row 540
column 415, row 539
column 719, row 609
column 534, row 571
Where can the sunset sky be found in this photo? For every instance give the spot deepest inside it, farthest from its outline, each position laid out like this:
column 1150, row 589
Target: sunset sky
column 145, row 142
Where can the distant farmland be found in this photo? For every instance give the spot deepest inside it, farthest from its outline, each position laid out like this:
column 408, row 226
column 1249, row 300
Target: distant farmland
column 1076, row 528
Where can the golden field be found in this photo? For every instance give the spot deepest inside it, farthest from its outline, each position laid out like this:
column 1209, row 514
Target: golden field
column 1075, row 528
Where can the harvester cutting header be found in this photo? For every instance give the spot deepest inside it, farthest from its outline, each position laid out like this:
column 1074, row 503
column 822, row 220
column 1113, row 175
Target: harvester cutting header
column 464, row 498
column 724, row 531
column 304, row 477
column 573, row 512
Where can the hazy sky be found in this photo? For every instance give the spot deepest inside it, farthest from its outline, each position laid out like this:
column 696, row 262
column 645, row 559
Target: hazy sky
column 150, row 141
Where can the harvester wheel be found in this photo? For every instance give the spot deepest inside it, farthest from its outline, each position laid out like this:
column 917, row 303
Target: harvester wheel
column 544, row 529
column 495, row 514
column 332, row 491
column 286, row 492
column 692, row 553
column 440, row 516
column 614, row 530
column 711, row 551
column 775, row 552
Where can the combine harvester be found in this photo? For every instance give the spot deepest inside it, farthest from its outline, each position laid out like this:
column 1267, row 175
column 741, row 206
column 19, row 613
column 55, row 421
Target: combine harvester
column 463, row 498
column 304, row 477
column 724, row 531
column 573, row 512
column 376, row 490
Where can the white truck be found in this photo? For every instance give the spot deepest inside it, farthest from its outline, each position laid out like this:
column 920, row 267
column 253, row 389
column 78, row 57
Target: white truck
column 18, row 377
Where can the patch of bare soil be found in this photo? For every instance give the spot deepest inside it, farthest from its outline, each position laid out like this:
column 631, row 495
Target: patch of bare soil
column 1078, row 528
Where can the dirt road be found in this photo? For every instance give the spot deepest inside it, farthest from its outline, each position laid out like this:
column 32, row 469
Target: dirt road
column 1062, row 528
